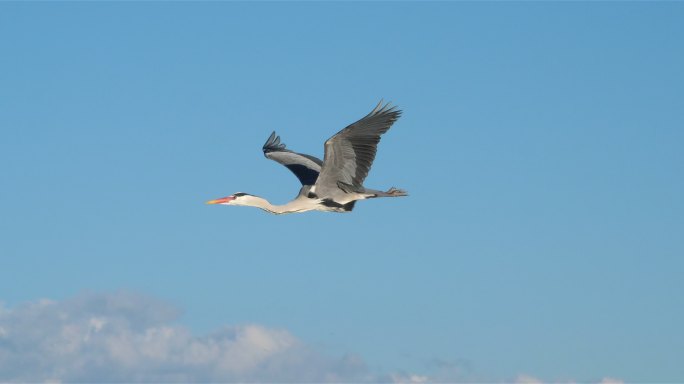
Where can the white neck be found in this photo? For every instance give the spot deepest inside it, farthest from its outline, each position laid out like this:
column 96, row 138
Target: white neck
column 293, row 206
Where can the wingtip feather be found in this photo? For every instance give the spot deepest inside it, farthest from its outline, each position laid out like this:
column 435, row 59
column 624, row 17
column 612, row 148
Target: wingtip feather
column 273, row 143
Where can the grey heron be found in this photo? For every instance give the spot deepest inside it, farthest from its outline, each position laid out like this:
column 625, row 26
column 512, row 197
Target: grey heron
column 336, row 183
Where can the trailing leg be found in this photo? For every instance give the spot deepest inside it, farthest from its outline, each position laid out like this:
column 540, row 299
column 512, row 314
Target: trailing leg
column 392, row 192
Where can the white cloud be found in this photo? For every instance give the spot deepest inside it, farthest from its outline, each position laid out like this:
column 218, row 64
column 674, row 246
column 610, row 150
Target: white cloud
column 409, row 379
column 527, row 379
column 125, row 337
column 610, row 380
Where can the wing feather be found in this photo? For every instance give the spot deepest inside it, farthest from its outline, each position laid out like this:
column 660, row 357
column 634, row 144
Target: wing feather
column 305, row 167
column 349, row 154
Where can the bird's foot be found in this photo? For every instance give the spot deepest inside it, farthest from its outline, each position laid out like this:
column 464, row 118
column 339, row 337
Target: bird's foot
column 395, row 192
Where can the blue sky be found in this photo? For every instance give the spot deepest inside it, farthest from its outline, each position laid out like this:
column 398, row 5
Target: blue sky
column 540, row 144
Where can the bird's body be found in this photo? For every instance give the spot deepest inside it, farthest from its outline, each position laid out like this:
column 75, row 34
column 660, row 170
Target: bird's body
column 336, row 183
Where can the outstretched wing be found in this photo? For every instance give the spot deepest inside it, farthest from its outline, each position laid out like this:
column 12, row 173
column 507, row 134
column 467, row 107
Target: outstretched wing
column 305, row 167
column 350, row 153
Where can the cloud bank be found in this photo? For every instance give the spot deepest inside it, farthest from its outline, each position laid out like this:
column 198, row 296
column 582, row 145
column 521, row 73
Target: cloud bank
column 126, row 337
column 527, row 379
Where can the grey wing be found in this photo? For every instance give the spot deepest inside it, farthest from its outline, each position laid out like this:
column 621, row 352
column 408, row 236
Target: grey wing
column 305, row 167
column 350, row 153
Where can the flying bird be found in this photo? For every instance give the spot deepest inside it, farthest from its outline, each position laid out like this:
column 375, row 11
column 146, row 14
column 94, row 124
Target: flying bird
column 336, row 183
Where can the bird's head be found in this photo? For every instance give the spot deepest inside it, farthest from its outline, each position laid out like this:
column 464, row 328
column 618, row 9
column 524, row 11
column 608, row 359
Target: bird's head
column 239, row 198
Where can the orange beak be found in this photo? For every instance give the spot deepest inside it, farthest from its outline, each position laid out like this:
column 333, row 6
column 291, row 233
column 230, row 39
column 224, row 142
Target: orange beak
column 222, row 200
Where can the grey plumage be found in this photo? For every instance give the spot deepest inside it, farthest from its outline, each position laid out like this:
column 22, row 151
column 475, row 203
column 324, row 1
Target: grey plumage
column 349, row 154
